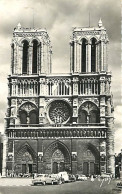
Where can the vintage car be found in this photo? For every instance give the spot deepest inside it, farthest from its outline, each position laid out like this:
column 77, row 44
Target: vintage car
column 46, row 179
column 105, row 176
column 40, row 179
column 53, row 179
column 72, row 178
column 81, row 177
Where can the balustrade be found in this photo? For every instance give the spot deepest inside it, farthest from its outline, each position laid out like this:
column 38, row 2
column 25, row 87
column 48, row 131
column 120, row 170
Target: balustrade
column 60, row 86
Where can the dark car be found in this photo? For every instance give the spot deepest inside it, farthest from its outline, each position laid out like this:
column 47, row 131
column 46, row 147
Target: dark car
column 72, row 178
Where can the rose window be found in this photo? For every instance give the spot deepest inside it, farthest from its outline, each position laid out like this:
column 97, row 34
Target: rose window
column 59, row 112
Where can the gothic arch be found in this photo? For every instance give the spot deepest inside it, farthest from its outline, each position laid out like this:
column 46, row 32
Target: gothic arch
column 90, row 110
column 53, row 147
column 28, row 113
column 22, row 40
column 94, row 150
column 35, row 38
column 26, row 148
column 95, row 37
column 84, row 37
column 28, row 103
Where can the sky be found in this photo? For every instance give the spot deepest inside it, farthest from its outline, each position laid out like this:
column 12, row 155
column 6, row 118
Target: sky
column 59, row 17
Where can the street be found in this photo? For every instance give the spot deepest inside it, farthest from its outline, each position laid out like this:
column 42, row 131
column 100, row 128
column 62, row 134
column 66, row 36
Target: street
column 23, row 186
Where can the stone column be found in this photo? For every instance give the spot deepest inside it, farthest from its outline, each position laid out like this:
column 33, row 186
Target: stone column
column 86, row 57
column 97, row 69
column 5, row 148
column 39, row 58
column 75, row 56
column 30, row 53
column 110, row 140
column 20, row 60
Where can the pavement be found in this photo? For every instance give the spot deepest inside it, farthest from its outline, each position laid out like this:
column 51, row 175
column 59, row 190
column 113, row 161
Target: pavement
column 15, row 181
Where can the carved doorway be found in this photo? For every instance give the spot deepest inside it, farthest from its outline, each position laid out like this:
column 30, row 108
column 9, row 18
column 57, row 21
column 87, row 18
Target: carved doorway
column 57, row 161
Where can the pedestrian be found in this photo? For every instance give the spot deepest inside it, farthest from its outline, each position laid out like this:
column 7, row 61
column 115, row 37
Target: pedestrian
column 33, row 175
column 92, row 178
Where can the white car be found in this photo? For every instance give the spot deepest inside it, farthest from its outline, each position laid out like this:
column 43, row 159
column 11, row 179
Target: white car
column 64, row 175
column 105, row 175
column 40, row 179
column 82, row 177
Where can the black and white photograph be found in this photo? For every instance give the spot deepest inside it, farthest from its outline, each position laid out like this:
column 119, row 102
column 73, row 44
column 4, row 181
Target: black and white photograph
column 61, row 97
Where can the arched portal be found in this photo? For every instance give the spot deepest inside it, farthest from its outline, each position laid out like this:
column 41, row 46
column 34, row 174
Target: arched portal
column 25, row 160
column 57, row 158
column 90, row 160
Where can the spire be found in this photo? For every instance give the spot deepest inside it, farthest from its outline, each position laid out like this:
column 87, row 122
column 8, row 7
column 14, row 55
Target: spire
column 100, row 24
column 19, row 26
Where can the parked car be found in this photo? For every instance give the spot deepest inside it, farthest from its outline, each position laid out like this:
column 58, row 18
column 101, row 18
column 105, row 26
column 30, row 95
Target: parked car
column 46, row 179
column 72, row 178
column 26, row 175
column 64, row 176
column 105, row 175
column 52, row 179
column 40, row 179
column 81, row 177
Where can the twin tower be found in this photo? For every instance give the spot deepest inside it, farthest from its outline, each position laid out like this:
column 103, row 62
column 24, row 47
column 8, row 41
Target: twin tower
column 59, row 122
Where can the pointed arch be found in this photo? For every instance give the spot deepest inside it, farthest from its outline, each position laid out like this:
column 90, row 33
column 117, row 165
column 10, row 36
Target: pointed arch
column 26, row 148
column 58, row 145
column 88, row 112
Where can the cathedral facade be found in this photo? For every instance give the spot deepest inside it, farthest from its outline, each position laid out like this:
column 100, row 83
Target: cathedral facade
column 59, row 122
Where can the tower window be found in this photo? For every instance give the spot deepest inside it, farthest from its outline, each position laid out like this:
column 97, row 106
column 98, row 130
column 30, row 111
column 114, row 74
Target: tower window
column 94, row 117
column 83, row 62
column 93, row 55
column 25, row 57
column 12, row 47
column 82, row 117
column 23, row 117
column 34, row 61
column 33, row 117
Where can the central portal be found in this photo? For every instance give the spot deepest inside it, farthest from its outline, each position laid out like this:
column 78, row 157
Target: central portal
column 57, row 158
column 57, row 161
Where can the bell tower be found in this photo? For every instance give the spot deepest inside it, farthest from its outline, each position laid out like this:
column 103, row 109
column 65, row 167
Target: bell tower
column 91, row 80
column 88, row 50
column 31, row 51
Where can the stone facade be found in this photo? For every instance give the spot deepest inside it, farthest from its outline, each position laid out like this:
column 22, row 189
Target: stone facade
column 59, row 122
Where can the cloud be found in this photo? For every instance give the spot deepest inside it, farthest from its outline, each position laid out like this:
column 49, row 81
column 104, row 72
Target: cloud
column 118, row 117
column 118, row 140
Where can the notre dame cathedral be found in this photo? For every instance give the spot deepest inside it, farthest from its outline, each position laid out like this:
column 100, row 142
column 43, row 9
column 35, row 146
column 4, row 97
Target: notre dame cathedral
column 59, row 122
